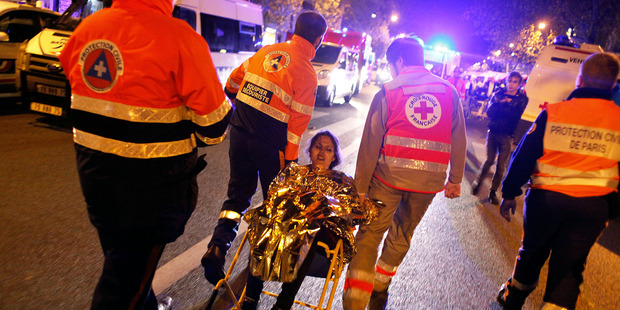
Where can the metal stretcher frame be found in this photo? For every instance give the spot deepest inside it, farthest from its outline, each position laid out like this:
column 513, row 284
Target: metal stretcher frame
column 335, row 270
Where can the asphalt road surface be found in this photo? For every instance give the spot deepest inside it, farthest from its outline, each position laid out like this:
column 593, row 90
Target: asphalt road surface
column 50, row 256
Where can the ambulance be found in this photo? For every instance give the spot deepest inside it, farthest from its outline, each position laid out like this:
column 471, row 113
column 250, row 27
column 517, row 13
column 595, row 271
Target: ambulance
column 232, row 28
column 553, row 77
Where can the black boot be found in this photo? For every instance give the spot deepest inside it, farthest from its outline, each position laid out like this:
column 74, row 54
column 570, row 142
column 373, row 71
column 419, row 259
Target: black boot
column 213, row 263
column 510, row 297
column 475, row 187
column 249, row 304
column 493, row 198
column 378, row 300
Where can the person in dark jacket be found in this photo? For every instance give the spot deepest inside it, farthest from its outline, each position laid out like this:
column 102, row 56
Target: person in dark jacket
column 504, row 112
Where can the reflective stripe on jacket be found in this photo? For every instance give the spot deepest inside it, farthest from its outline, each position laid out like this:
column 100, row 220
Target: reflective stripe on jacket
column 581, row 149
column 275, row 93
column 418, row 129
column 136, row 94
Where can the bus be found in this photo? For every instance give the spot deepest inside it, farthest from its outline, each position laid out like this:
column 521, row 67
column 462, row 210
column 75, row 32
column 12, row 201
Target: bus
column 232, row 28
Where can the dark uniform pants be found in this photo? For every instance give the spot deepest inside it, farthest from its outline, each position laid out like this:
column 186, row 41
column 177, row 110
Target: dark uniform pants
column 565, row 227
column 497, row 145
column 128, row 271
column 250, row 159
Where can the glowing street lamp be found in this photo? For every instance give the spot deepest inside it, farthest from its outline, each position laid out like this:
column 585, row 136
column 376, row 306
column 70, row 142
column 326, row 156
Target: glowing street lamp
column 542, row 25
column 511, row 45
column 394, row 18
column 373, row 15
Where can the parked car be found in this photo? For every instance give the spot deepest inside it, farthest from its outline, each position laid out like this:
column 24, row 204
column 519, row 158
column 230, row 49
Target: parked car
column 336, row 68
column 18, row 24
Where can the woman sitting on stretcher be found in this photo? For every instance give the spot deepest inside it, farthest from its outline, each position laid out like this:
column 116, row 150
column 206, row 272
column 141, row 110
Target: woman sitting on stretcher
column 306, row 204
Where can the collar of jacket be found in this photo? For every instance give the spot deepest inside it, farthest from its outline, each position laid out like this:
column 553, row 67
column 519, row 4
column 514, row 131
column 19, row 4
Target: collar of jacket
column 305, row 47
column 159, row 6
column 586, row 92
column 414, row 69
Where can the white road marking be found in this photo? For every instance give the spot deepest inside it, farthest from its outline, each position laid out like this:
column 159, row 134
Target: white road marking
column 180, row 266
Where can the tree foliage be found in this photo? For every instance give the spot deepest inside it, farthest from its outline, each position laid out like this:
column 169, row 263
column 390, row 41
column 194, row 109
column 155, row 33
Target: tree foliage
column 596, row 21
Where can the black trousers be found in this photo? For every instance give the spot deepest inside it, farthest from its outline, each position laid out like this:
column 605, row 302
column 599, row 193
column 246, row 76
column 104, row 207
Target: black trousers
column 128, row 271
column 563, row 228
column 250, row 160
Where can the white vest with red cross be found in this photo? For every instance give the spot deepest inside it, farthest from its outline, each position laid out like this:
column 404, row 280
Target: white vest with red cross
column 417, row 139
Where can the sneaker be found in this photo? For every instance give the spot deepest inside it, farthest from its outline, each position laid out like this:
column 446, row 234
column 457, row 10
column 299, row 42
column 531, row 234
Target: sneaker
column 213, row 263
column 475, row 187
column 493, row 198
column 378, row 300
column 165, row 303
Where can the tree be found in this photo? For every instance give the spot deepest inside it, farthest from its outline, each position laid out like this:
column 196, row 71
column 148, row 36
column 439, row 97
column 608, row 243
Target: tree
column 281, row 14
column 597, row 21
column 522, row 49
column 359, row 17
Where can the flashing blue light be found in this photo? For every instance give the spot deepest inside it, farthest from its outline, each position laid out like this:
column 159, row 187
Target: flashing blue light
column 441, row 42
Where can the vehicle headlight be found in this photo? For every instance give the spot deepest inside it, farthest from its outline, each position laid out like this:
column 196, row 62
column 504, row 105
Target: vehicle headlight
column 323, row 74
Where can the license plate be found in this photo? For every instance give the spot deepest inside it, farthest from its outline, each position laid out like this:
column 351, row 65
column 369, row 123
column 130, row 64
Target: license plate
column 44, row 108
column 50, row 90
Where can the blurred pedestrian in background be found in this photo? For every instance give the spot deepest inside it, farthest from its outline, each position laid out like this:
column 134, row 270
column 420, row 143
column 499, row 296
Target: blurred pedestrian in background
column 504, row 112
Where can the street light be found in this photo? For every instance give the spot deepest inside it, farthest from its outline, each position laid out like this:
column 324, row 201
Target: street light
column 394, row 18
column 542, row 25
column 373, row 15
column 511, row 45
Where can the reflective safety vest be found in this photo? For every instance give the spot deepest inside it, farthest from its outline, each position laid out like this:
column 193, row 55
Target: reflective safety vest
column 275, row 93
column 581, row 148
column 135, row 94
column 419, row 127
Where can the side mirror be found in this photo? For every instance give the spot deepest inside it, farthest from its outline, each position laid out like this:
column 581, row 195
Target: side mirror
column 4, row 37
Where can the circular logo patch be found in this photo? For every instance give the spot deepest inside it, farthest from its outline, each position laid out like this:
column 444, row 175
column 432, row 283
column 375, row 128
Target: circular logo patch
column 102, row 64
column 276, row 61
column 423, row 111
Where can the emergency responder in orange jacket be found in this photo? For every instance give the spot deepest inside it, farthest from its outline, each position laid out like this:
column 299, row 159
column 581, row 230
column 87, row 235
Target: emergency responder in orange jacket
column 141, row 104
column 570, row 156
column 275, row 94
column 414, row 132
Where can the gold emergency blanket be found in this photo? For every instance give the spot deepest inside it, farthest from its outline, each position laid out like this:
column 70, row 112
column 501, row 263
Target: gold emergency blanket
column 302, row 200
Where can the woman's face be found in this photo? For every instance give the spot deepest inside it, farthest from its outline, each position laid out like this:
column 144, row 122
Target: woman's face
column 322, row 152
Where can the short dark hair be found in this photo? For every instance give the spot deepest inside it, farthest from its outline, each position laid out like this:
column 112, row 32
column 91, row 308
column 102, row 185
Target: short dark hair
column 410, row 48
column 310, row 26
column 599, row 70
column 515, row 74
column 327, row 133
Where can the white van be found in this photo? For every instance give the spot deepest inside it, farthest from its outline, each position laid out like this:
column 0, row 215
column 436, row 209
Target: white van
column 552, row 79
column 336, row 69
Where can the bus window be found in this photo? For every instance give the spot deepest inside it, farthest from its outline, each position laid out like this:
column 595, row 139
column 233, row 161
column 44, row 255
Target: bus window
column 250, row 37
column 221, row 33
column 185, row 14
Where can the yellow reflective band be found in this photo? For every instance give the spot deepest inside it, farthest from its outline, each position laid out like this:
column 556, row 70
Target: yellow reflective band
column 134, row 150
column 233, row 84
column 270, row 86
column 231, row 215
column 210, row 141
column 544, row 180
column 301, row 108
column 265, row 108
column 293, row 138
column 361, row 275
column 414, row 164
column 246, row 64
column 418, row 144
column 127, row 112
column 213, row 117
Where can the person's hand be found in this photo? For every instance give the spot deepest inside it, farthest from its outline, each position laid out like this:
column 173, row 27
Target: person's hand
column 506, row 206
column 452, row 190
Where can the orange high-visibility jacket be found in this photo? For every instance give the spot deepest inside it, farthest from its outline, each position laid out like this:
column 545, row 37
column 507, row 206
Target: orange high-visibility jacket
column 581, row 148
column 275, row 93
column 143, row 83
